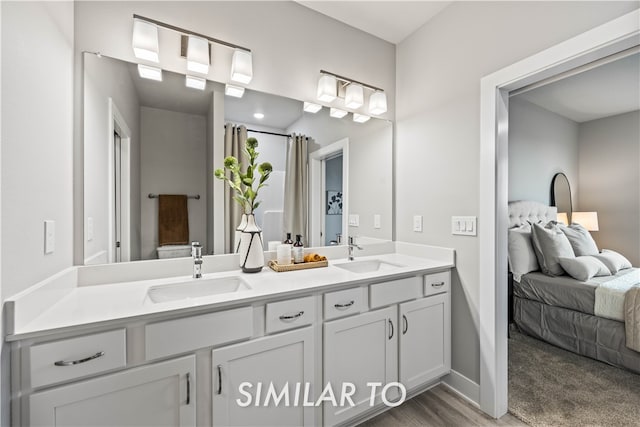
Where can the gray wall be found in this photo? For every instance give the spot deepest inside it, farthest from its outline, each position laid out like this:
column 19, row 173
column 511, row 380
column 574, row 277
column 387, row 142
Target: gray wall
column 541, row 144
column 438, row 72
column 610, row 181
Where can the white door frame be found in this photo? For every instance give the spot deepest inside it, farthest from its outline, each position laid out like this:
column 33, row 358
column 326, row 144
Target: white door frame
column 317, row 202
column 117, row 122
column 604, row 40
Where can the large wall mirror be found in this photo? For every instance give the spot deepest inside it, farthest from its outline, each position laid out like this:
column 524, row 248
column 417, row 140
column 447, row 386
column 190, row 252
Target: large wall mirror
column 143, row 138
column 561, row 196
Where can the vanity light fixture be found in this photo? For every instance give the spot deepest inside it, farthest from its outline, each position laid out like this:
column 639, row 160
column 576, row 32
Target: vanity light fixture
column 378, row 103
column 360, row 118
column 327, row 88
column 241, row 66
column 354, row 96
column 145, row 40
column 235, row 91
column 337, row 113
column 195, row 82
column 310, row 107
column 151, row 73
column 198, row 58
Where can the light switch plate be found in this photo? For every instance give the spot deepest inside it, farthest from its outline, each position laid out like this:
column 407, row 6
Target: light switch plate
column 354, row 220
column 376, row 221
column 49, row 236
column 417, row 223
column 464, row 225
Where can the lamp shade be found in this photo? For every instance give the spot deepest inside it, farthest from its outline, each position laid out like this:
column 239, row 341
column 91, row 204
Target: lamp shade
column 337, row 113
column 198, row 55
column 235, row 91
column 310, row 107
column 360, row 118
column 145, row 40
column 354, row 97
column 378, row 103
column 241, row 66
column 562, row 218
column 152, row 73
column 195, row 82
column 588, row 220
column 327, row 88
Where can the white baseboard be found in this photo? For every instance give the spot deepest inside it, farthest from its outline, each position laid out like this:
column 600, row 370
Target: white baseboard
column 463, row 386
column 98, row 258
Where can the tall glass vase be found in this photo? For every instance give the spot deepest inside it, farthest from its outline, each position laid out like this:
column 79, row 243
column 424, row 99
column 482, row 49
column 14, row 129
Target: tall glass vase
column 251, row 249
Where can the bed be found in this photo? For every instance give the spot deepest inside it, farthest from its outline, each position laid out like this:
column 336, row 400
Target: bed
column 563, row 311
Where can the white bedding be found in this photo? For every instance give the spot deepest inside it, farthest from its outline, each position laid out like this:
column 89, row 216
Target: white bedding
column 609, row 300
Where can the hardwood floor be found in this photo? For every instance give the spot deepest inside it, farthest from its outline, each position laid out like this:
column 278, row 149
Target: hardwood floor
column 438, row 407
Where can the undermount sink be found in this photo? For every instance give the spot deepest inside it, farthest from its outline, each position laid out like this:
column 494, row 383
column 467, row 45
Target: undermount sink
column 367, row 266
column 197, row 288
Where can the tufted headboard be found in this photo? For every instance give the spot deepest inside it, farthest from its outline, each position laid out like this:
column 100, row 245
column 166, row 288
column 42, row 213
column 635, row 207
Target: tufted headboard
column 521, row 211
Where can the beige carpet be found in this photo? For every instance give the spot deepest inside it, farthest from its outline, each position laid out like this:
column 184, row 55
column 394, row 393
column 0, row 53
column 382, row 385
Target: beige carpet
column 549, row 386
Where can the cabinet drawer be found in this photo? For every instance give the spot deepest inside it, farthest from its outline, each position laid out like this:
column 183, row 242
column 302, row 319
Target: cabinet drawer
column 388, row 293
column 64, row 360
column 290, row 314
column 191, row 333
column 437, row 283
column 343, row 303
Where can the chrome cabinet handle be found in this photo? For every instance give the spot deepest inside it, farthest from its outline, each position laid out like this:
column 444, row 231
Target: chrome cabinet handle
column 188, row 388
column 295, row 316
column 437, row 285
column 406, row 324
column 391, row 331
column 219, row 379
column 349, row 304
column 77, row 362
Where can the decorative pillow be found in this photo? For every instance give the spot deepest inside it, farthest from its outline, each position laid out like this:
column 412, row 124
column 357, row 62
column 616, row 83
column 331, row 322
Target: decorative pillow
column 613, row 260
column 549, row 244
column 522, row 258
column 584, row 268
column 580, row 239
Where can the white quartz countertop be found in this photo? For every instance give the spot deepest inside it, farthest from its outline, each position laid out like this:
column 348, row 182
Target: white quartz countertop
column 92, row 306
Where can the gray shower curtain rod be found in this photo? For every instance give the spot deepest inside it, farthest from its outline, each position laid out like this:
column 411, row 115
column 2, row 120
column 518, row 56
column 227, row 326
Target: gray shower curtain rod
column 268, row 133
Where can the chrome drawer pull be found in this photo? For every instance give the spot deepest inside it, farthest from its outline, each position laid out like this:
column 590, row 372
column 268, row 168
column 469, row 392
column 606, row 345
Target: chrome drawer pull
column 295, row 316
column 188, row 388
column 437, row 285
column 349, row 304
column 406, row 324
column 219, row 379
column 77, row 362
column 391, row 328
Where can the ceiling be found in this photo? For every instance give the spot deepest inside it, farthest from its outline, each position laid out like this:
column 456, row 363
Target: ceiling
column 607, row 90
column 392, row 21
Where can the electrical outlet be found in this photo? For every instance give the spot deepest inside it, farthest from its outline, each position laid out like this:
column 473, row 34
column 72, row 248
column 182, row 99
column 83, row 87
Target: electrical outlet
column 49, row 236
column 376, row 221
column 354, row 220
column 417, row 223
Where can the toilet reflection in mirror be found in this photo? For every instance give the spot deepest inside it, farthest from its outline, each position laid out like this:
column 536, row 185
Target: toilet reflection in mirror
column 143, row 136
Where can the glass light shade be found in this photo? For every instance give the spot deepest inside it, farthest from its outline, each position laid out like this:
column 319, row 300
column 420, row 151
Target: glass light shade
column 562, row 218
column 360, row 118
column 145, row 41
column 354, row 97
column 195, row 82
column 588, row 220
column 337, row 113
column 241, row 66
column 310, row 107
column 235, row 91
column 152, row 73
column 258, row 116
column 198, row 55
column 378, row 103
column 327, row 88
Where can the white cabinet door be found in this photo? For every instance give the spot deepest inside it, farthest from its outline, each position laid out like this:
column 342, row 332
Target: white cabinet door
column 425, row 340
column 359, row 350
column 279, row 361
column 162, row 394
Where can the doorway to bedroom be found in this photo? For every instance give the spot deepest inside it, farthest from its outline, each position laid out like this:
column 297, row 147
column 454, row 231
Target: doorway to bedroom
column 573, row 157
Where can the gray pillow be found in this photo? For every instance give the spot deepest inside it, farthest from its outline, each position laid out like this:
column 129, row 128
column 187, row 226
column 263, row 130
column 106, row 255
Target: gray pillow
column 522, row 258
column 550, row 243
column 580, row 239
column 584, row 268
column 613, row 260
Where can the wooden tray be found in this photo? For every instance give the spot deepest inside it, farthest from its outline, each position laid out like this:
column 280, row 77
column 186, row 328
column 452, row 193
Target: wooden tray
column 294, row 267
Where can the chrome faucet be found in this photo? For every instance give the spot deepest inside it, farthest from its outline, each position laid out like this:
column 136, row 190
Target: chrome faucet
column 353, row 244
column 196, row 253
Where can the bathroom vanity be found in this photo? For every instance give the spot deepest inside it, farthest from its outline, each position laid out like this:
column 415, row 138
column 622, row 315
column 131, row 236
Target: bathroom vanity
column 212, row 351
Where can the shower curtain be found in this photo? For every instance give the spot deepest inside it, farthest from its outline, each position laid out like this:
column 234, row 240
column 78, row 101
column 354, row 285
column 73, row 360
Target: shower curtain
column 234, row 140
column 296, row 188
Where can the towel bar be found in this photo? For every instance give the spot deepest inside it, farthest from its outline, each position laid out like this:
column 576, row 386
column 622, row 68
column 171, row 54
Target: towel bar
column 155, row 196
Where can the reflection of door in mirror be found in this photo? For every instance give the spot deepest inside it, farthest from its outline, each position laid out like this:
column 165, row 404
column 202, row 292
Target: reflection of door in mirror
column 334, row 200
column 561, row 196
